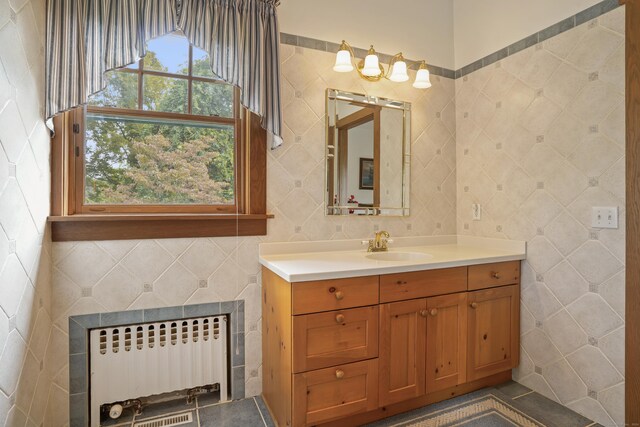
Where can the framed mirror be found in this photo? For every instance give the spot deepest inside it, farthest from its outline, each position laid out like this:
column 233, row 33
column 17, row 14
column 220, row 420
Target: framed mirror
column 367, row 154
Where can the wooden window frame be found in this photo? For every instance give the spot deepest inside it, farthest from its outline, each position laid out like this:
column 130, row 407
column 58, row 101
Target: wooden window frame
column 72, row 220
column 632, row 186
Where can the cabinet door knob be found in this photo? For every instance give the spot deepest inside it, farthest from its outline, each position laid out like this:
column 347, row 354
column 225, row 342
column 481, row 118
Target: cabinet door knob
column 339, row 295
column 474, row 305
column 339, row 318
column 495, row 275
column 423, row 313
column 433, row 311
column 339, row 373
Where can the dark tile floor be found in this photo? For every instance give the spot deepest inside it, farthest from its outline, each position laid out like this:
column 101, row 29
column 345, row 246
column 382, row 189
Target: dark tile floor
column 252, row 412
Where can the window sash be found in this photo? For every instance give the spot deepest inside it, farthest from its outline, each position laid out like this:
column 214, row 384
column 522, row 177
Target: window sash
column 190, row 78
column 77, row 175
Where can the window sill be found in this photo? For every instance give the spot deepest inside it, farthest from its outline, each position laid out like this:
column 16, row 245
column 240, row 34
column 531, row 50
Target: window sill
column 155, row 226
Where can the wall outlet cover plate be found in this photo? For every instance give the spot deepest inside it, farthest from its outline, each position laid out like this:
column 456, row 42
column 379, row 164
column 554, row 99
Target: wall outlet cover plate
column 476, row 211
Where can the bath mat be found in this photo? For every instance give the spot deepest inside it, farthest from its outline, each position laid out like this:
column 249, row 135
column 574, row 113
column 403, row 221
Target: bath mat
column 485, row 411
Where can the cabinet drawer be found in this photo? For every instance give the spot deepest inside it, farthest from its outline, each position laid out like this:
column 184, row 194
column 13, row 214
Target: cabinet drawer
column 327, row 394
column 421, row 284
column 327, row 295
column 336, row 337
column 492, row 275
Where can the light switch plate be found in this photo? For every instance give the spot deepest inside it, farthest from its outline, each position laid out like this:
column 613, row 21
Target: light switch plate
column 604, row 217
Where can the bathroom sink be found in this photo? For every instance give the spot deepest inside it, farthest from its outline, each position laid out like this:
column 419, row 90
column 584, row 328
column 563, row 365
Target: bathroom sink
column 399, row 256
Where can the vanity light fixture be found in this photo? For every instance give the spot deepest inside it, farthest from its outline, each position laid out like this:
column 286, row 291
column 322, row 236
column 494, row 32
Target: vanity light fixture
column 370, row 68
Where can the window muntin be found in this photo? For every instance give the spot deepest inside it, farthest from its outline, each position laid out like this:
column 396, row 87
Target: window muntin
column 162, row 136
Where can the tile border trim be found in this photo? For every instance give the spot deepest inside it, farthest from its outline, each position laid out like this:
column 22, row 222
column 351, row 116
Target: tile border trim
column 567, row 24
column 325, row 46
column 80, row 325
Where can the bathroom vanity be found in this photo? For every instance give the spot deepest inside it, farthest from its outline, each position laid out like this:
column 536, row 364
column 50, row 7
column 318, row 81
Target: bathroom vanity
column 350, row 337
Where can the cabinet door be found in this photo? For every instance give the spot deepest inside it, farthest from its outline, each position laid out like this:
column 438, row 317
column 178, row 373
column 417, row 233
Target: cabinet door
column 403, row 331
column 446, row 341
column 494, row 328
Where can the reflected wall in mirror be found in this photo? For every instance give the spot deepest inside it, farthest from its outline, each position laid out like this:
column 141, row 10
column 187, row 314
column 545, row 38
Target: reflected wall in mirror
column 368, row 143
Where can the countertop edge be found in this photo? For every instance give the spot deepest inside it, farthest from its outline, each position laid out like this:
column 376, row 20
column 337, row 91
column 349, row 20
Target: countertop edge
column 375, row 271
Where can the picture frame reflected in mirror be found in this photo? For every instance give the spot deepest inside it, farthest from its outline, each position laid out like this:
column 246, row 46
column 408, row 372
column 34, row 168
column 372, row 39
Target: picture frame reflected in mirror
column 366, row 174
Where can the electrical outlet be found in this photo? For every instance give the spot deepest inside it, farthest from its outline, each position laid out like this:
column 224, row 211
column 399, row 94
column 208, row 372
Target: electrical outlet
column 604, row 217
column 476, row 211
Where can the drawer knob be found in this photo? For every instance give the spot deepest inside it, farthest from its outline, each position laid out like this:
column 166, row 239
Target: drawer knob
column 339, row 373
column 339, row 295
column 401, row 282
column 340, row 318
column 495, row 275
column 433, row 312
column 423, row 313
column 474, row 305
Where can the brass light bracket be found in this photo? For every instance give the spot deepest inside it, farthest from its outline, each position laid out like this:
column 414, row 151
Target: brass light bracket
column 360, row 64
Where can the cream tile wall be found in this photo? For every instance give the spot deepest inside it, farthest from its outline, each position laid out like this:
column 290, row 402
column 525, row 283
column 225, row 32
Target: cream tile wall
column 25, row 260
column 90, row 277
column 540, row 140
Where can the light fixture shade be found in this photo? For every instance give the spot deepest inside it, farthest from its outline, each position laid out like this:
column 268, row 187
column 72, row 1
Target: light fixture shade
column 371, row 65
column 343, row 62
column 422, row 79
column 399, row 72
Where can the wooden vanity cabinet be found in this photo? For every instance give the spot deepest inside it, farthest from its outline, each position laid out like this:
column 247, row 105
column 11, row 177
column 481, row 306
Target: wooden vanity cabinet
column 351, row 351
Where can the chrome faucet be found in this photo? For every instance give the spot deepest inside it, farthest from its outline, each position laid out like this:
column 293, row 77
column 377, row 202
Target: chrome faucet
column 379, row 242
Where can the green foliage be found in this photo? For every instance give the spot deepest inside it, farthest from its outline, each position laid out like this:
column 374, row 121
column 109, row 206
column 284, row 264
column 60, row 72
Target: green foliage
column 169, row 174
column 146, row 161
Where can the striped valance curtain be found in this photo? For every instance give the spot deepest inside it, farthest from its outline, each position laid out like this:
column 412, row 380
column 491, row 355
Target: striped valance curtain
column 86, row 38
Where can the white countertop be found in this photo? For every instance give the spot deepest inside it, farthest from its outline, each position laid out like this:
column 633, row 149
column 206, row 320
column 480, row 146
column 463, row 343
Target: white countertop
column 338, row 259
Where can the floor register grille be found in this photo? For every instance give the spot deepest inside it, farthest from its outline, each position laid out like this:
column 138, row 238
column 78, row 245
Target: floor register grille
column 169, row 421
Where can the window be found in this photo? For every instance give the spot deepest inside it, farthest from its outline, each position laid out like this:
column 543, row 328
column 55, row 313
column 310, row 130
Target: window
column 164, row 137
